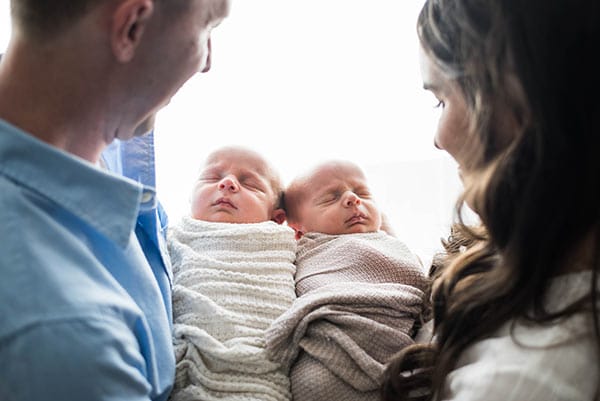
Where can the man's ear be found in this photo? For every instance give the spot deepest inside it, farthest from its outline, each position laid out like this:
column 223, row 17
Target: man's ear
column 128, row 23
column 278, row 216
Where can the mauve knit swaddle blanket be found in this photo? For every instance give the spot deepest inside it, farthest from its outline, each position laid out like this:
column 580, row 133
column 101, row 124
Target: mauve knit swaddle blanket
column 358, row 298
column 231, row 281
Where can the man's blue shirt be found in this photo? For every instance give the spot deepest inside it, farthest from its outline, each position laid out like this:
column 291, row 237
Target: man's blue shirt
column 135, row 159
column 83, row 314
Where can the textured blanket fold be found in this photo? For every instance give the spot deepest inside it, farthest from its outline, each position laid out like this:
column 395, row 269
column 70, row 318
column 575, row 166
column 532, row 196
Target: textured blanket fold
column 231, row 281
column 359, row 296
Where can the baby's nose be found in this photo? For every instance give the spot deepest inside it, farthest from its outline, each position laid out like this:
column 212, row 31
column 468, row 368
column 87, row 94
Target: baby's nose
column 351, row 199
column 228, row 183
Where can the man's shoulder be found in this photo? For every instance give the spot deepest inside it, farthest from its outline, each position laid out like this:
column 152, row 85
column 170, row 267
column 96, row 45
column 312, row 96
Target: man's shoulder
column 48, row 271
column 28, row 221
column 68, row 359
column 18, row 217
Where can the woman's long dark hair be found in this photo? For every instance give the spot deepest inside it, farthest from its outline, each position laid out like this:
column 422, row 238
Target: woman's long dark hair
column 535, row 183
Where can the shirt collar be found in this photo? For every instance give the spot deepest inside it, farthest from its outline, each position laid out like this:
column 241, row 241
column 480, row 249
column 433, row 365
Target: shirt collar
column 107, row 202
column 133, row 158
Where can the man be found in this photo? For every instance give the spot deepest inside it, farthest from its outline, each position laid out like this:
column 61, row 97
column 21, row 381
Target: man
column 83, row 315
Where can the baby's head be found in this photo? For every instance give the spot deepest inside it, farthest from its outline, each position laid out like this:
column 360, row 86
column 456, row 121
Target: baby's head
column 237, row 185
column 333, row 198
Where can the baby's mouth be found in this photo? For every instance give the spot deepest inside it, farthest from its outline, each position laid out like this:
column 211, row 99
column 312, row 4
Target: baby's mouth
column 356, row 218
column 224, row 202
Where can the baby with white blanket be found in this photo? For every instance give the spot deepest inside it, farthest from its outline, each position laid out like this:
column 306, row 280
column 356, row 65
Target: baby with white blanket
column 233, row 276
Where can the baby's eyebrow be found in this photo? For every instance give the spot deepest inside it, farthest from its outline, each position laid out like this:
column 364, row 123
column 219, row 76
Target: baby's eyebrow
column 331, row 188
column 327, row 191
column 253, row 174
column 209, row 170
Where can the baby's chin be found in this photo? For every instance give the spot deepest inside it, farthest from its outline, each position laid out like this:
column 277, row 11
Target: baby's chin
column 360, row 229
column 229, row 218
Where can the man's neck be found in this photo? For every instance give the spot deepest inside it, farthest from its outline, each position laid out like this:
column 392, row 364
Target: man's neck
column 50, row 95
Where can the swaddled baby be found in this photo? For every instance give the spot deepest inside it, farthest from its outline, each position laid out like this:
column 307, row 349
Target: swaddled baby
column 359, row 289
column 233, row 276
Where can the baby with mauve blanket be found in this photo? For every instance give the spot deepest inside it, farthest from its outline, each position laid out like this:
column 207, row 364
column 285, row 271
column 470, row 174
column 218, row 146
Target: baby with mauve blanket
column 360, row 290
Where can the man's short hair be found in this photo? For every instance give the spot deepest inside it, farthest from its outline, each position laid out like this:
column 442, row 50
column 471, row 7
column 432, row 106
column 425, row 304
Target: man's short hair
column 45, row 18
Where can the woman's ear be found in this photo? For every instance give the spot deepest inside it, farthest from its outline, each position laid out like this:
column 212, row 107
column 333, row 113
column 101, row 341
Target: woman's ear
column 278, row 216
column 128, row 23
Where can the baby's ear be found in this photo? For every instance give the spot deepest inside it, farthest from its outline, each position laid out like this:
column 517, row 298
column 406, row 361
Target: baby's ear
column 297, row 229
column 385, row 225
column 278, row 216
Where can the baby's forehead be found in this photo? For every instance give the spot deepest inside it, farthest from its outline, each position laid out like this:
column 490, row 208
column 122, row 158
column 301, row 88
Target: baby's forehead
column 231, row 159
column 337, row 172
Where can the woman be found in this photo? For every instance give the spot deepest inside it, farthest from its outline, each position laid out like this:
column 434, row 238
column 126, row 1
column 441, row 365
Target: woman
column 516, row 314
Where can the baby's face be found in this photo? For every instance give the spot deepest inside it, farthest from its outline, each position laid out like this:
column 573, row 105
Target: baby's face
column 234, row 187
column 339, row 201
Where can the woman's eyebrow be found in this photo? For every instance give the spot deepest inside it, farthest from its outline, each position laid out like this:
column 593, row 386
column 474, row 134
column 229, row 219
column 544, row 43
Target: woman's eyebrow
column 430, row 87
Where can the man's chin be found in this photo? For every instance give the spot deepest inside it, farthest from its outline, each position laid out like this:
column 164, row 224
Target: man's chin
column 145, row 126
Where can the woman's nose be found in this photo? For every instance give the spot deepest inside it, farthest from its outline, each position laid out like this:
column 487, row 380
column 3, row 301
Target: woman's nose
column 229, row 183
column 208, row 62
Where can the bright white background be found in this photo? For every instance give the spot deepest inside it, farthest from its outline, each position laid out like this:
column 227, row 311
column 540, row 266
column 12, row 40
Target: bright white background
column 302, row 81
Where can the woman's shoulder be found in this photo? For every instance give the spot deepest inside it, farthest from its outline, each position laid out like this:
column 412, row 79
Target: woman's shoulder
column 507, row 367
column 525, row 360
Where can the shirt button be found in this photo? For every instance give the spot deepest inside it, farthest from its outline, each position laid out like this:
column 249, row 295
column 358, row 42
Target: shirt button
column 147, row 197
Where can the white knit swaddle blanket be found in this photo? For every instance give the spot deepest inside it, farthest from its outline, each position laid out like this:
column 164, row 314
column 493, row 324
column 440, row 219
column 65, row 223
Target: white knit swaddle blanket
column 231, row 281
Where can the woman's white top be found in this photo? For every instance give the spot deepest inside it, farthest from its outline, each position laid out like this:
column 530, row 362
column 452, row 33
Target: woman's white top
column 533, row 362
